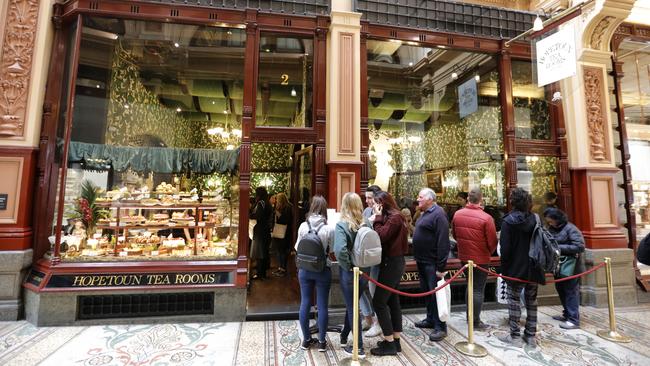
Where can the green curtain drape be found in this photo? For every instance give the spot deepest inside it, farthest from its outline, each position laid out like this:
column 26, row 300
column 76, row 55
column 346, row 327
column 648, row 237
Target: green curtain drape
column 157, row 159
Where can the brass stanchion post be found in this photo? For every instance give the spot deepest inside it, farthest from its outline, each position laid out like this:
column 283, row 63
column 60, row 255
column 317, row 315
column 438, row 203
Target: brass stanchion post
column 354, row 360
column 611, row 334
column 469, row 348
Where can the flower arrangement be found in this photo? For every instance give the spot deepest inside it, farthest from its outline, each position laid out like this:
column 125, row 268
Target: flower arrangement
column 85, row 208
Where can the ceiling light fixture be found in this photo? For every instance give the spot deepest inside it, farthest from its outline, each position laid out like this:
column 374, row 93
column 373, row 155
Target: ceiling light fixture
column 176, row 44
column 477, row 77
column 178, row 109
column 454, row 75
column 293, row 92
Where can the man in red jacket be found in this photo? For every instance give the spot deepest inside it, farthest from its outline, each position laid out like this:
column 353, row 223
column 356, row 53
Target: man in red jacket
column 476, row 236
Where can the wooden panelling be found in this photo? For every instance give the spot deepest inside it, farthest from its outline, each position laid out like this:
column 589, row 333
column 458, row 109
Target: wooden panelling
column 346, row 89
column 595, row 208
column 17, row 166
column 342, row 177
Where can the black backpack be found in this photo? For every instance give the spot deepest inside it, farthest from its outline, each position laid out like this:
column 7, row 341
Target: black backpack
column 544, row 251
column 310, row 255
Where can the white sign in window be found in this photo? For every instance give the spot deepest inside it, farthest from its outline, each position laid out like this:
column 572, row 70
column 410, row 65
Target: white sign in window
column 556, row 57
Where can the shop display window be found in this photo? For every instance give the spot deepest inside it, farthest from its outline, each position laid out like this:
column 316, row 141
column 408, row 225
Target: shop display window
column 285, row 81
column 635, row 90
column 531, row 103
column 539, row 176
column 152, row 143
column 434, row 121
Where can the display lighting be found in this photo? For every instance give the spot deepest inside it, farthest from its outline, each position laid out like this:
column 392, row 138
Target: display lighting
column 538, row 24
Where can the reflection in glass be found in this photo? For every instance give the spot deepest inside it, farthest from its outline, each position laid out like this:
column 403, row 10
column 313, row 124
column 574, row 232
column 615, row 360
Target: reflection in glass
column 284, row 87
column 435, row 120
column 153, row 150
column 539, row 176
column 635, row 90
column 532, row 113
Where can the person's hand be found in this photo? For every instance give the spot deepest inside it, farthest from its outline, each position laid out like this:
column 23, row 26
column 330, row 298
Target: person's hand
column 376, row 209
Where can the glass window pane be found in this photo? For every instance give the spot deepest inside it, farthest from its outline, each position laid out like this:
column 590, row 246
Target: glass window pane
column 532, row 111
column 539, row 176
column 435, row 120
column 635, row 90
column 284, row 88
column 155, row 130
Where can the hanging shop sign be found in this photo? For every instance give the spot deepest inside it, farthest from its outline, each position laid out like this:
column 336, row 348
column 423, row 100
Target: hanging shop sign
column 467, row 98
column 556, row 57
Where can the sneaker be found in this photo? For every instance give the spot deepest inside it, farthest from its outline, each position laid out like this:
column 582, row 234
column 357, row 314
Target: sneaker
column 308, row 343
column 322, row 346
column 569, row 325
column 561, row 318
column 423, row 324
column 398, row 345
column 348, row 351
column 509, row 339
column 530, row 341
column 437, row 335
column 480, row 326
column 384, row 348
column 374, row 331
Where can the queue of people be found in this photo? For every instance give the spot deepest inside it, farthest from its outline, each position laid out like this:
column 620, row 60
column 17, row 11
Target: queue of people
column 476, row 235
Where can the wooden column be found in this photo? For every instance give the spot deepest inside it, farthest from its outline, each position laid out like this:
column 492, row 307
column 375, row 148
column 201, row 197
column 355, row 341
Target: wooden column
column 365, row 137
column 320, row 107
column 508, row 121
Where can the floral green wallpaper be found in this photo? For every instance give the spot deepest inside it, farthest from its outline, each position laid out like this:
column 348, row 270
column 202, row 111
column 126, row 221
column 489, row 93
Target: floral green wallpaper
column 544, row 175
column 271, row 157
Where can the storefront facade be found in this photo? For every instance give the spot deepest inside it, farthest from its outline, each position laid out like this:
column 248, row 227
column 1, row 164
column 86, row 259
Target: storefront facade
column 159, row 120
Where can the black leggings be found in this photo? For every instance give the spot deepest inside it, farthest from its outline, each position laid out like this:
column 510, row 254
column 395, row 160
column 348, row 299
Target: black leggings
column 386, row 304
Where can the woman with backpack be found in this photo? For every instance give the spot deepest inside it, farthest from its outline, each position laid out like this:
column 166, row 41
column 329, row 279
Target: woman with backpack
column 393, row 231
column 572, row 244
column 316, row 222
column 281, row 238
column 344, row 235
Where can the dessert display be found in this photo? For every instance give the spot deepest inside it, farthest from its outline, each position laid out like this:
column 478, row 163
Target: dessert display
column 166, row 188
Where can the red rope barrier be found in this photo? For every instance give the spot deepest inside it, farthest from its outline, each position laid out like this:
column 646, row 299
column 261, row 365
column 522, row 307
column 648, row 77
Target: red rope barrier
column 408, row 294
column 601, row 265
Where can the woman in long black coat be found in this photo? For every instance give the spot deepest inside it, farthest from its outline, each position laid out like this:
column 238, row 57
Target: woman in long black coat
column 261, row 212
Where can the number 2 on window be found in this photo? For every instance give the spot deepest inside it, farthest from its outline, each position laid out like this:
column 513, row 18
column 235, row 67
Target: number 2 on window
column 285, row 79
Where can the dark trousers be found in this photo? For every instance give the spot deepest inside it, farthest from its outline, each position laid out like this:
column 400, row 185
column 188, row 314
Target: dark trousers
column 480, row 279
column 321, row 281
column 264, row 260
column 386, row 303
column 427, row 273
column 569, row 292
column 514, row 307
column 282, row 247
column 347, row 287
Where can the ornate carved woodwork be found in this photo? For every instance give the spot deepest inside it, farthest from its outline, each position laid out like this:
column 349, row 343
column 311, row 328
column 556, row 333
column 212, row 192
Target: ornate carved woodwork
column 598, row 34
column 16, row 65
column 596, row 114
column 363, row 91
column 507, row 120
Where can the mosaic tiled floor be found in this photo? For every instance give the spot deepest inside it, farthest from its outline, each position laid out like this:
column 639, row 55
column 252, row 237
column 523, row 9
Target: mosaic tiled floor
column 278, row 343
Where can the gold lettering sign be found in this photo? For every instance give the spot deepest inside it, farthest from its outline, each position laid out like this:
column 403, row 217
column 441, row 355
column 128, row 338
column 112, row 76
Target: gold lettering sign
column 123, row 280
column 285, row 79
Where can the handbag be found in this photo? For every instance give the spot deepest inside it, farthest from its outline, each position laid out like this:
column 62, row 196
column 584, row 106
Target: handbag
column 279, row 230
column 443, row 300
column 567, row 266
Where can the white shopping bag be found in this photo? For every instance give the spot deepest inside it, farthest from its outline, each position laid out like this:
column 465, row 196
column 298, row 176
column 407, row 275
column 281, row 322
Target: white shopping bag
column 443, row 300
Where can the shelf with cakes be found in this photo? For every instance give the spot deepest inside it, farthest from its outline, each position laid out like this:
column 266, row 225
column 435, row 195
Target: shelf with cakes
column 149, row 230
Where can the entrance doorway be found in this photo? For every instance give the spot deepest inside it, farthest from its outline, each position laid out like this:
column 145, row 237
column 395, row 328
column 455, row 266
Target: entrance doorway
column 282, row 169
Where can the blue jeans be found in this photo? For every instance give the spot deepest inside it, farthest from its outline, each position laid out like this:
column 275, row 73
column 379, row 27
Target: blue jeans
column 322, row 281
column 347, row 287
column 365, row 304
column 428, row 279
column 569, row 292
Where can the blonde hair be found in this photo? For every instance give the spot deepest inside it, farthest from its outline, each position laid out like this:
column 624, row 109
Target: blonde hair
column 352, row 210
column 281, row 201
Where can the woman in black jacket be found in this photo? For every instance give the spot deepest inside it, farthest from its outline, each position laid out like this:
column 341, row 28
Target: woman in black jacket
column 261, row 212
column 516, row 231
column 571, row 244
column 282, row 216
